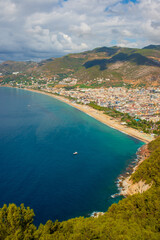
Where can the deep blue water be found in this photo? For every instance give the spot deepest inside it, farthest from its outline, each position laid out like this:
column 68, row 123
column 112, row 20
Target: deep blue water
column 38, row 135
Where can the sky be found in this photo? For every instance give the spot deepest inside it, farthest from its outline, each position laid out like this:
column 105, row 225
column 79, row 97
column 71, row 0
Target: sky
column 40, row 29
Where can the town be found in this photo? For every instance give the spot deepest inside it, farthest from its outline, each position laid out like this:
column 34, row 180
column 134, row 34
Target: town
column 139, row 103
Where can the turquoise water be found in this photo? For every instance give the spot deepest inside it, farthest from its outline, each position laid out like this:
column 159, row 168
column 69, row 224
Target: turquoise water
column 38, row 135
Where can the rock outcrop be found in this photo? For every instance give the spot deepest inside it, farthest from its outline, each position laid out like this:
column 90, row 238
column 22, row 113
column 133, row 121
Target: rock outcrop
column 127, row 185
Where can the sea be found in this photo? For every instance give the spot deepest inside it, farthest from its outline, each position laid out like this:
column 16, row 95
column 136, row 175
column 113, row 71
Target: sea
column 38, row 136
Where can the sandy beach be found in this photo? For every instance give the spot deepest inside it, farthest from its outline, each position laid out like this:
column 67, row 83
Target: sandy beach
column 100, row 116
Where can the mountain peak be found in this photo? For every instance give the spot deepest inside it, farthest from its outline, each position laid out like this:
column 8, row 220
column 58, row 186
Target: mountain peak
column 156, row 47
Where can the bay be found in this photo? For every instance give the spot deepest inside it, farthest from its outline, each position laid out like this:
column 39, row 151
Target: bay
column 38, row 135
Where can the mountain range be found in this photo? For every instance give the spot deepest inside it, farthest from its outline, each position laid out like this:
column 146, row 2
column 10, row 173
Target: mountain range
column 114, row 66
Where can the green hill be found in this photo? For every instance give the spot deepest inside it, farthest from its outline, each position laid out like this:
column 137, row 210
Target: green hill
column 114, row 65
column 156, row 47
column 135, row 218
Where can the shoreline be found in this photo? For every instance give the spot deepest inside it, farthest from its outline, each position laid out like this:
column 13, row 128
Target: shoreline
column 124, row 184
column 100, row 116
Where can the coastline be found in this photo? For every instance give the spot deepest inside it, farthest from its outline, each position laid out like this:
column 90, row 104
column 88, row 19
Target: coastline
column 101, row 117
column 125, row 184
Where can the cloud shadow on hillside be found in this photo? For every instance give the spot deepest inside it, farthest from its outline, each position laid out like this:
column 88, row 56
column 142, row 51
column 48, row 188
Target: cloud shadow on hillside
column 122, row 57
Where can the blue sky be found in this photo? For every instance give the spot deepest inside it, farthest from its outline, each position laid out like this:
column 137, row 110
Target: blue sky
column 51, row 28
column 127, row 1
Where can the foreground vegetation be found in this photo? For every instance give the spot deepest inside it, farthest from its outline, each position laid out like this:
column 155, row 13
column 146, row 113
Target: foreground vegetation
column 137, row 217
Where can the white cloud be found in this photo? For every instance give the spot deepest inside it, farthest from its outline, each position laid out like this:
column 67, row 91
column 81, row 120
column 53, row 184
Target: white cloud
column 7, row 11
column 81, row 30
column 56, row 27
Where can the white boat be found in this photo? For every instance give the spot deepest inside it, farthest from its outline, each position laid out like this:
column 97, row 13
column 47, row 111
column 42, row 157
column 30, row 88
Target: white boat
column 75, row 153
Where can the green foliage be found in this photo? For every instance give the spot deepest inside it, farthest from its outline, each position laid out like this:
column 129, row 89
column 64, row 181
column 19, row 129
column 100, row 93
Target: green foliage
column 154, row 144
column 69, row 87
column 16, row 222
column 82, row 86
column 149, row 170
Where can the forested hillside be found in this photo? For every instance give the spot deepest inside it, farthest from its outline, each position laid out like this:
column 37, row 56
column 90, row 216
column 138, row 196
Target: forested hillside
column 137, row 217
